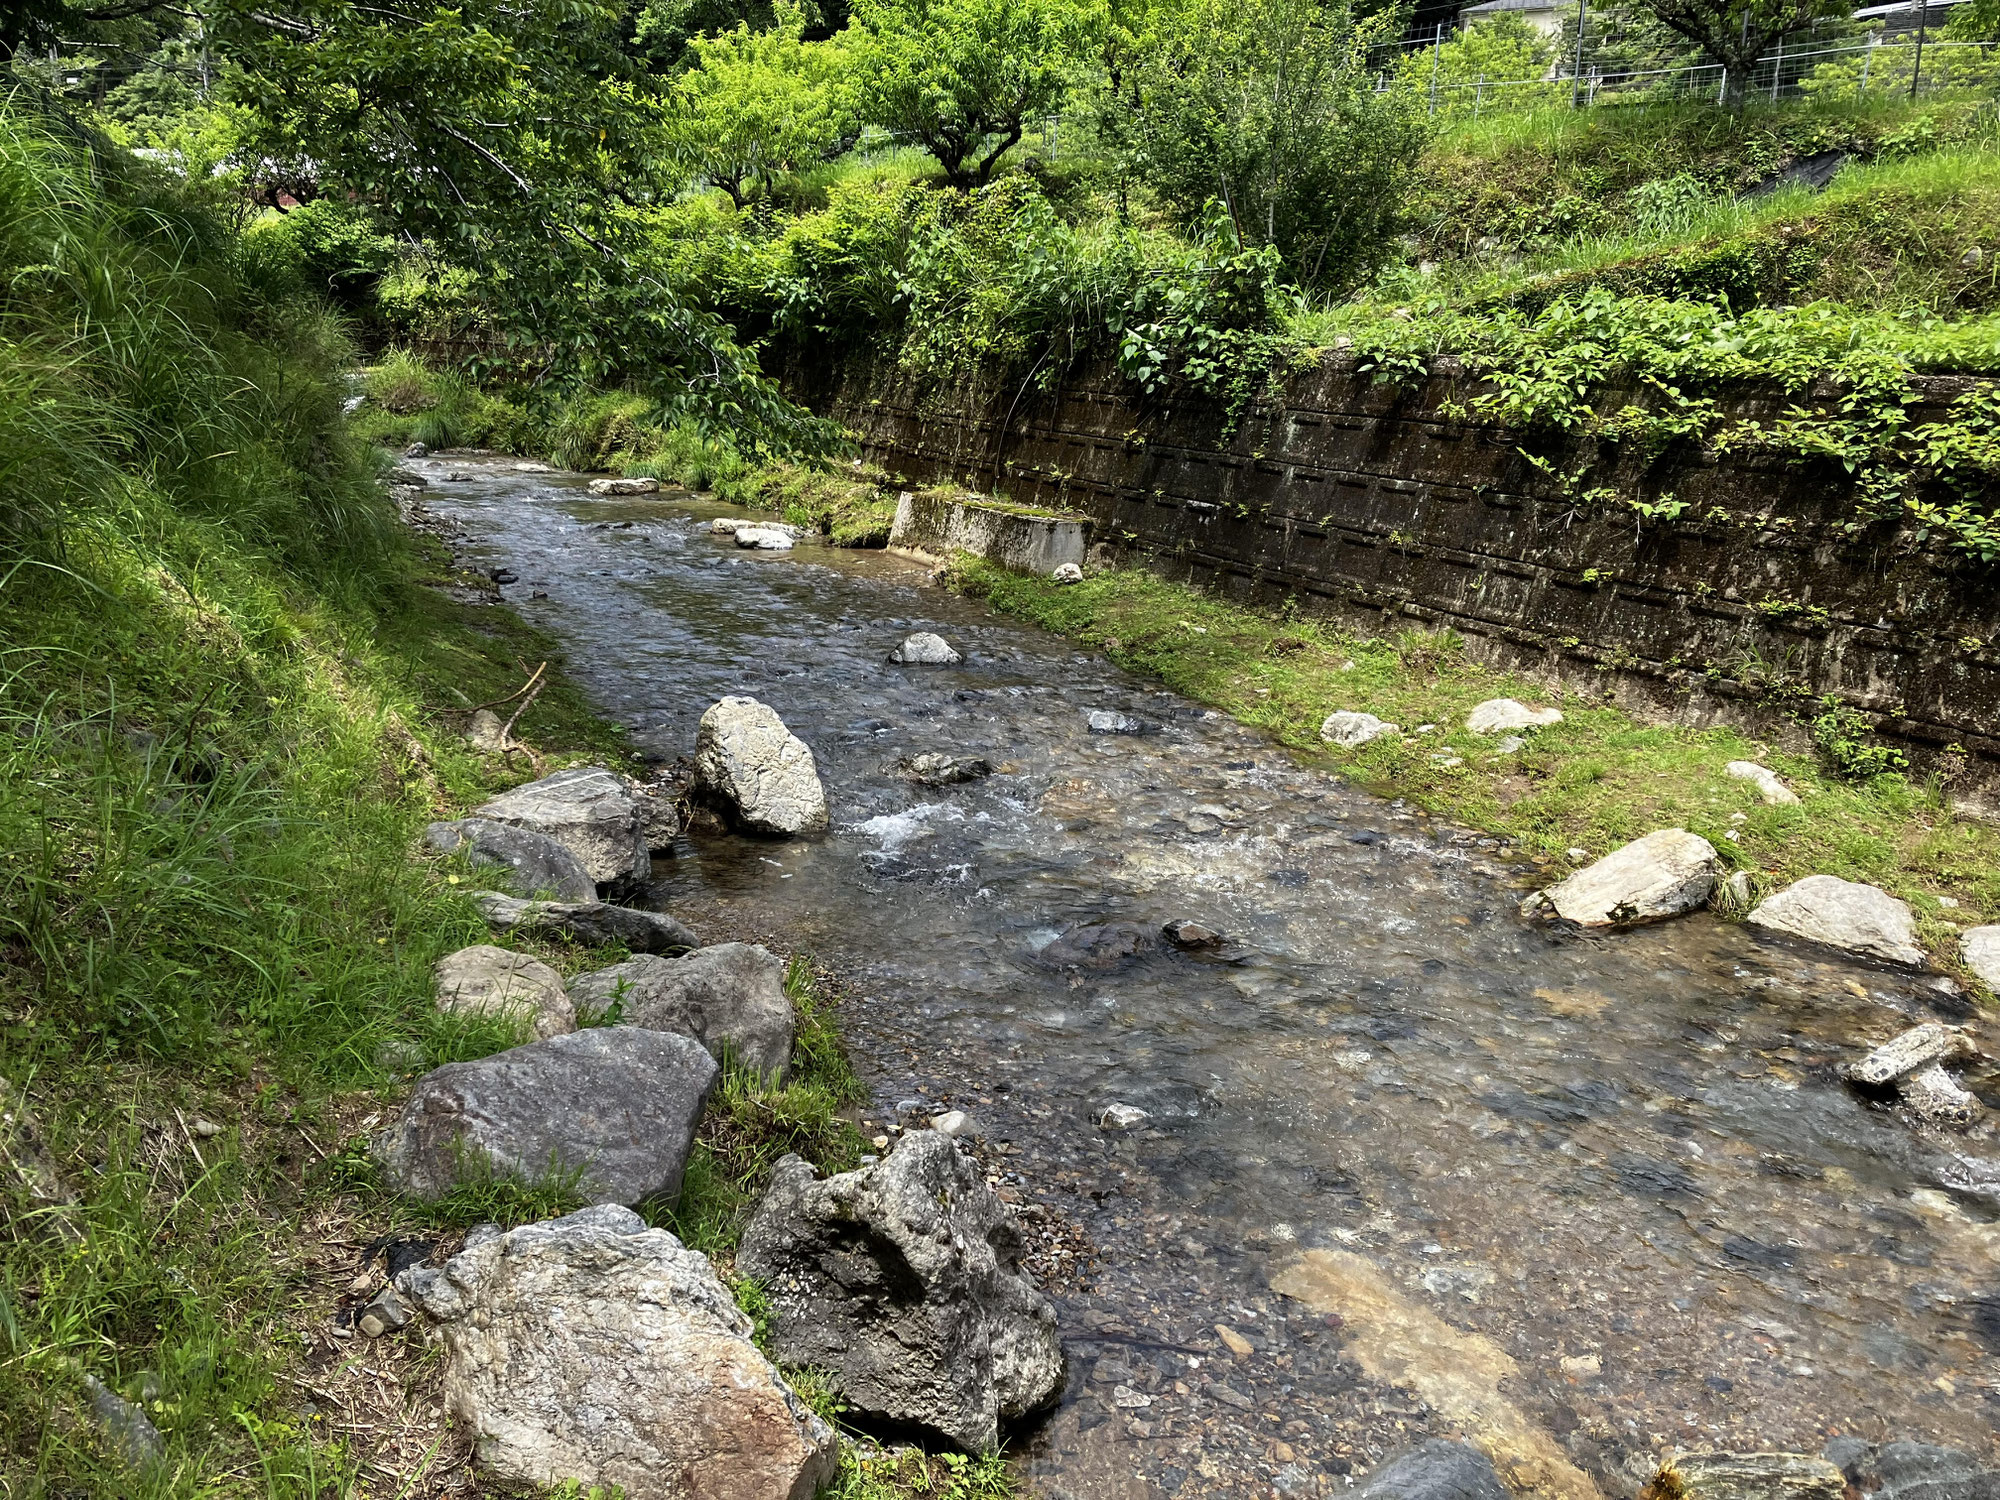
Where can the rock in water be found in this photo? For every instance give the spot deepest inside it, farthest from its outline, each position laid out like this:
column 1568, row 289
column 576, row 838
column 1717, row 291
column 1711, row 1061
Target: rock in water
column 1121, row 1117
column 1980, row 948
column 1910, row 1471
column 761, row 773
column 925, row 650
column 1350, row 730
column 1843, row 914
column 539, row 863
column 593, row 1348
column 1708, row 1475
column 1107, row 721
column 1661, row 875
column 659, row 821
column 589, row 811
column 1935, row 1097
column 1505, row 715
column 1437, row 1470
column 935, row 769
column 594, row 924
column 1769, row 787
column 624, row 486
column 764, row 538
column 487, row 981
column 900, row 1279
column 617, row 1104
column 1185, row 933
column 1094, row 945
column 730, row 998
column 1916, row 1049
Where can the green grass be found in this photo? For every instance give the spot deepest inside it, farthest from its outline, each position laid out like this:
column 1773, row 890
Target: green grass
column 1594, row 782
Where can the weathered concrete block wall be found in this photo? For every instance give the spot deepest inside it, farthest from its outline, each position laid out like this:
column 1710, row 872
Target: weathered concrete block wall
column 1361, row 497
column 935, row 526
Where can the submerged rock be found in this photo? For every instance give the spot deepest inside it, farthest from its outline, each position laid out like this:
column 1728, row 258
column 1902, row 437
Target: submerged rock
column 1505, row 715
column 485, row 980
column 623, row 485
column 1769, row 787
column 1121, row 1117
column 589, row 811
column 1437, row 1470
column 730, row 998
column 901, row 1279
column 1094, row 945
column 1844, row 914
column 1183, row 932
column 1911, row 1471
column 687, row 1409
column 925, row 650
column 591, row 924
column 538, row 862
column 615, row 1105
column 935, row 769
column 1706, row 1474
column 761, row 773
column 1108, row 721
column 1661, row 875
column 1350, row 730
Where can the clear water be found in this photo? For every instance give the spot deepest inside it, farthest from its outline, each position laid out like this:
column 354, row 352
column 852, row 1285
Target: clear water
column 1610, row 1191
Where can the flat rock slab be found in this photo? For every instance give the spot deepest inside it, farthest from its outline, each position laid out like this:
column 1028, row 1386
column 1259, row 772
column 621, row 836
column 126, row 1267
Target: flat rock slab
column 485, row 980
column 617, row 1105
column 760, row 773
column 624, row 486
column 1437, row 1470
column 1769, row 787
column 1911, row 1471
column 1844, row 914
column 1350, row 730
column 593, row 1348
column 1507, row 715
column 1661, row 875
column 730, row 998
column 1094, row 945
column 593, row 924
column 1916, row 1049
column 539, row 864
column 588, row 810
column 1709, row 1475
column 902, row 1280
column 925, row 650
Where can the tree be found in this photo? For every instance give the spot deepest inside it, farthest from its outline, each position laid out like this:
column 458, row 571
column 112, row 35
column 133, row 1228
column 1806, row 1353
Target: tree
column 963, row 78
column 757, row 104
column 1268, row 107
column 1500, row 63
column 1737, row 34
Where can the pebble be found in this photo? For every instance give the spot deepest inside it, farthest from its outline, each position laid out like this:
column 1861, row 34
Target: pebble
column 1184, row 933
column 1234, row 1342
column 385, row 1314
column 208, row 1130
column 1124, row 1397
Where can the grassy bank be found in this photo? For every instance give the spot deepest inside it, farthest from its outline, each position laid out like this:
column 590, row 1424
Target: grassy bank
column 1591, row 783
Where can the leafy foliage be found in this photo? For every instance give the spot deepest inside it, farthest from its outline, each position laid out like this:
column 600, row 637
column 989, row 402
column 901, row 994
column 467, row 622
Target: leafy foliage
column 758, row 104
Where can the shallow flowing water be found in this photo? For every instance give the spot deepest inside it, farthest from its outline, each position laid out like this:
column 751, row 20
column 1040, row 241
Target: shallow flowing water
column 1438, row 1172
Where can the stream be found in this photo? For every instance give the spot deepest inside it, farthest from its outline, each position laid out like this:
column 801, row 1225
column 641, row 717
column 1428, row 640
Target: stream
column 1437, row 1172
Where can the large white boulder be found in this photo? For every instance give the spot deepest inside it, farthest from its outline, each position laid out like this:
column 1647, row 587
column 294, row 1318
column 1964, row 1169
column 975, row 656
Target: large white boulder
column 1844, row 914
column 589, row 811
column 761, row 773
column 593, row 1348
column 1507, row 715
column 1350, row 729
column 1769, row 787
column 487, row 980
column 1661, row 875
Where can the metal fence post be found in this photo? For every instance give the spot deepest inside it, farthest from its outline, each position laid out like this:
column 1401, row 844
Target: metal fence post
column 1437, row 48
column 1917, row 70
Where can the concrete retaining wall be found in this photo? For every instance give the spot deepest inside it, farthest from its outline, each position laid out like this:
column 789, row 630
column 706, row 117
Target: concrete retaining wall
column 932, row 527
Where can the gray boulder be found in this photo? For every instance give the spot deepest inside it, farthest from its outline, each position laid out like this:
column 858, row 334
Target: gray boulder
column 901, row 1280
column 1661, row 875
column 484, row 980
column 486, row 732
column 593, row 924
column 659, row 821
column 758, row 771
column 622, row 485
column 1979, row 947
column 1350, row 729
column 925, row 650
column 730, row 998
column 616, row 1104
column 589, row 811
column 124, row 1427
column 593, row 1348
column 539, row 864
column 1505, row 715
column 1436, row 1470
column 934, row 768
column 1911, row 1471
column 1844, row 914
